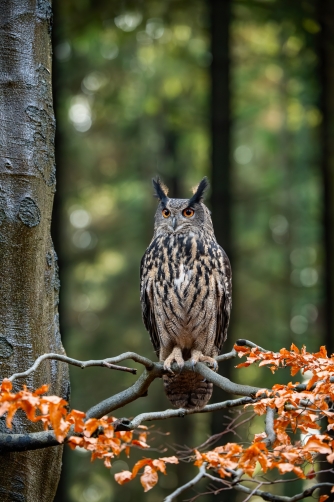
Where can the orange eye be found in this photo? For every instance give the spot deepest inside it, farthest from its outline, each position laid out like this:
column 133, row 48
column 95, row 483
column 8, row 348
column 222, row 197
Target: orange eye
column 188, row 212
column 166, row 213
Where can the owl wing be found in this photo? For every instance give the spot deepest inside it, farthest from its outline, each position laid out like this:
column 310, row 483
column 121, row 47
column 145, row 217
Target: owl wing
column 147, row 304
column 224, row 299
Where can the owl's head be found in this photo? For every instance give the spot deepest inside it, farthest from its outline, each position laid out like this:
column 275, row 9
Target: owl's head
column 182, row 215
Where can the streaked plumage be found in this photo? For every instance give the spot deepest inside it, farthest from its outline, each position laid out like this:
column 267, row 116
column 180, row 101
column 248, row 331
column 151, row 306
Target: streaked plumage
column 185, row 293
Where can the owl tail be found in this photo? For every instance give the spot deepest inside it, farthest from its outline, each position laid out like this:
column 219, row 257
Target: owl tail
column 187, row 390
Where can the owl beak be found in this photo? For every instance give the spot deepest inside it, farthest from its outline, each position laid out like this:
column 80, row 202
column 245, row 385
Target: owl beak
column 174, row 223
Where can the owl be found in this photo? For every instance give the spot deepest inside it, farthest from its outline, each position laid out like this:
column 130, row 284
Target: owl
column 185, row 291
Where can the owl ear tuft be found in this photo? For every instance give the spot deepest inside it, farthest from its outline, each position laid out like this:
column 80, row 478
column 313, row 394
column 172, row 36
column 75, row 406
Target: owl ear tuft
column 198, row 191
column 160, row 190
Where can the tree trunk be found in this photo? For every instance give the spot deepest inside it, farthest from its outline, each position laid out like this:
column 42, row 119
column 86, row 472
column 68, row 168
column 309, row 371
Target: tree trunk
column 29, row 282
column 220, row 168
column 326, row 17
column 326, row 77
column 220, row 122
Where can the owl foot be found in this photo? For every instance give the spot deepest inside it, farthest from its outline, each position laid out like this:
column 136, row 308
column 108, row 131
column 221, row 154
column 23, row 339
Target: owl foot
column 197, row 356
column 175, row 355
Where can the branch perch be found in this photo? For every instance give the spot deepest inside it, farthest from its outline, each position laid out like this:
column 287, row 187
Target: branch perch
column 107, row 363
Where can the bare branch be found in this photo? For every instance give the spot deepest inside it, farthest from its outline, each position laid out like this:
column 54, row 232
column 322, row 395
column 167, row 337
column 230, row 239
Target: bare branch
column 222, row 382
column 135, row 357
column 280, row 498
column 124, row 424
column 107, row 363
column 228, row 355
column 184, row 487
column 235, row 483
column 271, row 436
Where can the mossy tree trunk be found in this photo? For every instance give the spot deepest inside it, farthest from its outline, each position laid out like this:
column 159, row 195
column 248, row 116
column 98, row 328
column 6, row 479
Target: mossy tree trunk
column 29, row 284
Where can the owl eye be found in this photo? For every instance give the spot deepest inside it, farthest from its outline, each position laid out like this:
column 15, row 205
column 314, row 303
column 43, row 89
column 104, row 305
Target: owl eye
column 188, row 212
column 166, row 213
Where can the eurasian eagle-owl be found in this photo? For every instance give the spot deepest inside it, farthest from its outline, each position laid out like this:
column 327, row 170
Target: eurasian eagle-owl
column 185, row 290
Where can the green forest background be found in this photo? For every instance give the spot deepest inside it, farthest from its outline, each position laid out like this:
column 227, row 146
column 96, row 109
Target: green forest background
column 239, row 91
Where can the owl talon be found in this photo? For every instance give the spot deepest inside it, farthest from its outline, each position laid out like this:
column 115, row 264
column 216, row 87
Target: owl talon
column 168, row 368
column 214, row 365
column 174, row 357
column 193, row 364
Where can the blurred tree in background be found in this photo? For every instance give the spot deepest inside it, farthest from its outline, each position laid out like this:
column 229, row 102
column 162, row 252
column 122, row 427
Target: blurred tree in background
column 133, row 87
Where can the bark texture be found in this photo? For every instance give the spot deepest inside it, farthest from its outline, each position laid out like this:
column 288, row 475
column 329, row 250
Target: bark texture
column 29, row 285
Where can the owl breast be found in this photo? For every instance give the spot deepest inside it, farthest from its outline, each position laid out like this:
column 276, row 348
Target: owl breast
column 184, row 281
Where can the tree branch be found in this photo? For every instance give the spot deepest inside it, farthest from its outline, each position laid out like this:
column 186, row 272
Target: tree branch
column 107, row 363
column 138, row 389
column 228, row 355
column 271, row 436
column 184, row 487
column 242, row 343
column 20, row 442
column 124, row 424
column 280, row 498
column 222, row 382
column 24, row 442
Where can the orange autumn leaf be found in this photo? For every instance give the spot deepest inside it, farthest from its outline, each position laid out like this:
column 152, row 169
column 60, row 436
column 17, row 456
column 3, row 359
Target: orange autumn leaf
column 243, row 365
column 293, row 348
column 123, row 477
column 241, row 348
column 322, row 498
column 124, row 435
column 142, row 437
column 6, row 385
column 90, row 426
column 287, row 467
column 199, row 459
column 170, row 460
column 316, row 445
column 138, row 465
column 322, row 352
column 135, row 442
column 159, row 465
column 149, row 479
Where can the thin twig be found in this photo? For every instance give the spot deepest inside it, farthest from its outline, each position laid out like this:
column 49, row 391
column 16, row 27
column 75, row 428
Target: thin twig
column 280, row 498
column 230, row 428
column 107, row 363
column 265, row 495
column 228, row 355
column 184, row 487
column 253, row 492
